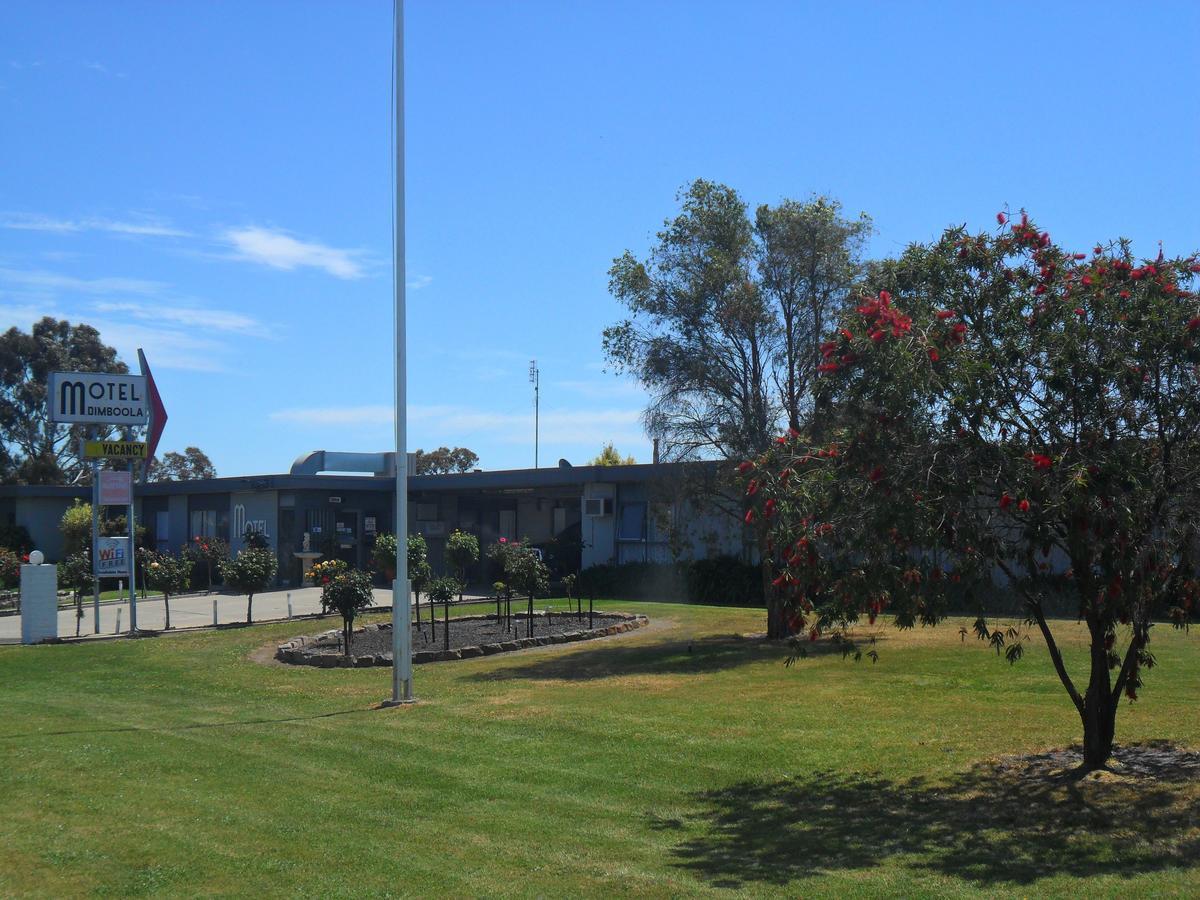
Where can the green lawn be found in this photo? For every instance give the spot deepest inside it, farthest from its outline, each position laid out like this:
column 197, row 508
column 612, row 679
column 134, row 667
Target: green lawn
column 630, row 766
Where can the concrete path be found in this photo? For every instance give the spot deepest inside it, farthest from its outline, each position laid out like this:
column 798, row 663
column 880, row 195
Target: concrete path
column 186, row 612
column 189, row 612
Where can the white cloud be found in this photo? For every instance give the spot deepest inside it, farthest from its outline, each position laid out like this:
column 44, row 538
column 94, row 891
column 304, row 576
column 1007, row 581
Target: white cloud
column 144, row 227
column 416, row 282
column 40, row 280
column 189, row 317
column 280, row 250
column 166, row 348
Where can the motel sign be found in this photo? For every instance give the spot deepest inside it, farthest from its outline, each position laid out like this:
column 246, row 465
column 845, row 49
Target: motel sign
column 98, row 398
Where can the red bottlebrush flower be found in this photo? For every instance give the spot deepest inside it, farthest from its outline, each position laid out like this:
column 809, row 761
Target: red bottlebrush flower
column 1193, row 323
column 1080, row 311
column 1195, row 269
column 1023, row 506
column 877, row 336
column 1087, row 280
column 1044, row 239
column 827, row 367
column 745, row 467
column 828, row 347
column 779, row 582
column 769, row 508
column 933, row 354
column 846, row 333
column 1137, row 274
column 1040, row 289
column 749, row 517
column 752, row 487
column 1005, row 500
column 848, row 359
column 946, row 314
column 785, row 475
column 1079, row 256
column 1124, row 295
column 1001, row 218
column 876, row 474
column 885, row 298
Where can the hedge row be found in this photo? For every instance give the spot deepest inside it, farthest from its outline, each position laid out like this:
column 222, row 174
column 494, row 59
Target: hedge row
column 720, row 581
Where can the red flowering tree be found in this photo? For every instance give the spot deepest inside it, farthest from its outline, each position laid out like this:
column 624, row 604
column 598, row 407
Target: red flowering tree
column 1002, row 410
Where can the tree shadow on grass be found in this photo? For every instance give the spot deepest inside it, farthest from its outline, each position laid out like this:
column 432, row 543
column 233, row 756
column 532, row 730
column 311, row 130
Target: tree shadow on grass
column 676, row 657
column 1014, row 821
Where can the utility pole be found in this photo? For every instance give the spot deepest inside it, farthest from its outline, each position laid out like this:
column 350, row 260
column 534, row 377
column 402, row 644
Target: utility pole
column 533, row 379
column 402, row 688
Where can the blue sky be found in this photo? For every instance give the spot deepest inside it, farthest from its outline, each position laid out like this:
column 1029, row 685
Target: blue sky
column 211, row 181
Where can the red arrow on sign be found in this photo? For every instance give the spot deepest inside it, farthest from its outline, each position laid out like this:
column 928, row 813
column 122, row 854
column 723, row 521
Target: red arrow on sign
column 158, row 412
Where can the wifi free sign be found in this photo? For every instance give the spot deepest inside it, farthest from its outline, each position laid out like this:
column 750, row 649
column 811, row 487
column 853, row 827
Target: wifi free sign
column 98, row 398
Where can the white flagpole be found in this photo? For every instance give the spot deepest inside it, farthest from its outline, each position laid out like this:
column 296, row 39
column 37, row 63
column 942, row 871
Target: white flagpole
column 402, row 691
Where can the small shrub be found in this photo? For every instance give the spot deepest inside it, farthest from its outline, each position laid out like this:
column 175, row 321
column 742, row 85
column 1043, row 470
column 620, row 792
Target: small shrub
column 250, row 572
column 347, row 593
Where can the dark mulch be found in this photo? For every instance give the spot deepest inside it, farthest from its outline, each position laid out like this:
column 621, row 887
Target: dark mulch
column 1157, row 760
column 468, row 632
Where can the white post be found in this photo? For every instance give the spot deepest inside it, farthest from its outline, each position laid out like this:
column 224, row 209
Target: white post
column 289, row 604
column 118, row 628
column 402, row 690
column 215, row 612
column 39, row 600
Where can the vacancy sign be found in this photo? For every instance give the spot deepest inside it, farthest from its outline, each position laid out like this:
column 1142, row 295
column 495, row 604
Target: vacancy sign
column 114, row 450
column 116, row 488
column 98, row 398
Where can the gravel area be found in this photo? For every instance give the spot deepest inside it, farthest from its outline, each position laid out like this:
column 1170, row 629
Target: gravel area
column 470, row 636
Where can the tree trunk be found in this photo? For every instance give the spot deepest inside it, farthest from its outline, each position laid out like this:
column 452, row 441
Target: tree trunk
column 167, row 610
column 446, row 626
column 775, row 625
column 249, row 607
column 1099, row 713
column 347, row 634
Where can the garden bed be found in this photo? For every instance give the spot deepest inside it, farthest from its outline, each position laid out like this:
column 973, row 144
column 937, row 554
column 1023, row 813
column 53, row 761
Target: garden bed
column 470, row 636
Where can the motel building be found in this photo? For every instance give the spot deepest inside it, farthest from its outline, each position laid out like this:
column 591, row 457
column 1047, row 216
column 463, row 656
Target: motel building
column 580, row 515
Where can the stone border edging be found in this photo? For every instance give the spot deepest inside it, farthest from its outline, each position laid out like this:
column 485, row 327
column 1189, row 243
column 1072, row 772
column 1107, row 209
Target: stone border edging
column 295, row 651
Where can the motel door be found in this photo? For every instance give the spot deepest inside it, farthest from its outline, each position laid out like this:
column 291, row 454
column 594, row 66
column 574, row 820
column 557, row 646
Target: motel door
column 345, row 528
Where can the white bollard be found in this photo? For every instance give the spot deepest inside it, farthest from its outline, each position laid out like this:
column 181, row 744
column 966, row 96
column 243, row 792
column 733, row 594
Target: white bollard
column 39, row 600
column 214, row 612
column 289, row 604
column 118, row 631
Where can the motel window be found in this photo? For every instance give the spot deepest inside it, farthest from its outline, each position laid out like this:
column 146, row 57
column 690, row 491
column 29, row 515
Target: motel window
column 632, row 524
column 204, row 523
column 162, row 535
column 427, row 512
column 508, row 524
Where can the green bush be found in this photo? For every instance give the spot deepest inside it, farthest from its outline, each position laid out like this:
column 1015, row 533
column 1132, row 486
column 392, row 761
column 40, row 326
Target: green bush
column 16, row 538
column 347, row 594
column 251, row 571
column 10, row 569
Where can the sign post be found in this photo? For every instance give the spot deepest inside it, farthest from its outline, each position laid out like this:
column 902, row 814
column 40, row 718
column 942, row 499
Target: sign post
column 105, row 398
column 95, row 535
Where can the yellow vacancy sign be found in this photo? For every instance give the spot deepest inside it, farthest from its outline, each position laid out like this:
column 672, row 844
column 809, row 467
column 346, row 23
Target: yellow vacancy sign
column 114, row 450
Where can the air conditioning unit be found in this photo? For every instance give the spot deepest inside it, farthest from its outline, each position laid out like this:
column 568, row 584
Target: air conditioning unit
column 597, row 506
